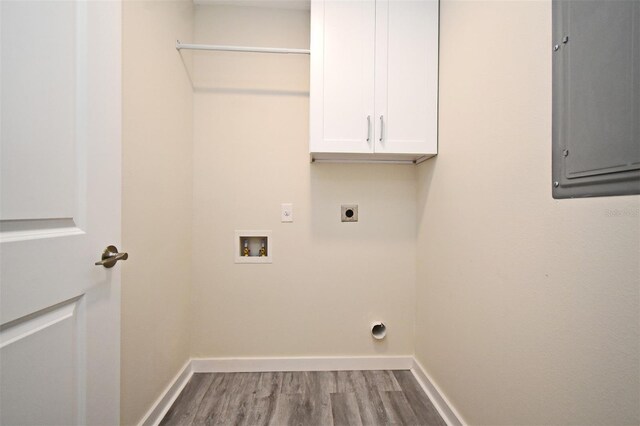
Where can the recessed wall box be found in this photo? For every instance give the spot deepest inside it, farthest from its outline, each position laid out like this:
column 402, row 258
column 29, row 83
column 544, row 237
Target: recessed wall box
column 253, row 247
column 349, row 212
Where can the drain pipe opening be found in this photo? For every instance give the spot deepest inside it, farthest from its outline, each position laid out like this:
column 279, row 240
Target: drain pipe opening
column 378, row 330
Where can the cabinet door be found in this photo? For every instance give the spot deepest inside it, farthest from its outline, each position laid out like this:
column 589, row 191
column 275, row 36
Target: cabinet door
column 342, row 67
column 406, row 93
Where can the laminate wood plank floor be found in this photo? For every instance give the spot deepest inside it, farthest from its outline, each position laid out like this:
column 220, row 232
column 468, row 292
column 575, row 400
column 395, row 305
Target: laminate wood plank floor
column 309, row 398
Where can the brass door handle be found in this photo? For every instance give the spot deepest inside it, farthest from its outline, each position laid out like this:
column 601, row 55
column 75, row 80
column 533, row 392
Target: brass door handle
column 110, row 257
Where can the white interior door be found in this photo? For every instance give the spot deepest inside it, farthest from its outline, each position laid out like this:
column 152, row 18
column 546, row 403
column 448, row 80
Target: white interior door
column 60, row 207
column 406, row 76
column 342, row 66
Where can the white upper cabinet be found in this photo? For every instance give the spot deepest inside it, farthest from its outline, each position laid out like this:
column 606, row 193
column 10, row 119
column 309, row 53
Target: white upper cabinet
column 374, row 79
column 406, row 76
column 343, row 104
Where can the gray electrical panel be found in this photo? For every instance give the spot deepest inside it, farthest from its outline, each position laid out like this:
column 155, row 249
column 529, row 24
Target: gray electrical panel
column 596, row 98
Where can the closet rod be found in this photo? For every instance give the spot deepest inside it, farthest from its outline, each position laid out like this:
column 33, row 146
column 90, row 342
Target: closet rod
column 180, row 46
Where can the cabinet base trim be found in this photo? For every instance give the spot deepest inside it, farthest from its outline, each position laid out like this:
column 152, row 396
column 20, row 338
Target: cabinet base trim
column 370, row 158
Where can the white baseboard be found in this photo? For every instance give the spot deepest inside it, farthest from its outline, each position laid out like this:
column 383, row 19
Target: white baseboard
column 447, row 411
column 160, row 407
column 240, row 365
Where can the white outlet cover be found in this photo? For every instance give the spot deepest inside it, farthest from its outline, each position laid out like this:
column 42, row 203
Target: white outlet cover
column 286, row 214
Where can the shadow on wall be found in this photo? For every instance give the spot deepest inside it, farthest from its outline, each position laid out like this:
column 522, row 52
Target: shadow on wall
column 426, row 172
column 248, row 73
column 204, row 70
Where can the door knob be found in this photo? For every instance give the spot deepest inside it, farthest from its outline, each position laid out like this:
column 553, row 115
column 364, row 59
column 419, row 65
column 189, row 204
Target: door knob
column 110, row 257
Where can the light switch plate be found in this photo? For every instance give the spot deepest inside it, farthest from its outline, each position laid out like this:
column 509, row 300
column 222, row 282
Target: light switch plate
column 286, row 214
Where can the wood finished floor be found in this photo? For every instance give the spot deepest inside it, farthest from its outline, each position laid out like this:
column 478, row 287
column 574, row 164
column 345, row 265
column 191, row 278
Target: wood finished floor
column 318, row 398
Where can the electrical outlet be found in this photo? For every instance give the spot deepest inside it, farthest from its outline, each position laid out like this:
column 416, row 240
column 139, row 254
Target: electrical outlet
column 349, row 212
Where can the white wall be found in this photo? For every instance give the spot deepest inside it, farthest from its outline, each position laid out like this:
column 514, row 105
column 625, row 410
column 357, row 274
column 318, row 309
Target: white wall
column 528, row 307
column 328, row 279
column 157, row 200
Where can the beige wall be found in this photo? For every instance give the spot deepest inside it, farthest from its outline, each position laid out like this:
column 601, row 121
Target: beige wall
column 328, row 279
column 527, row 307
column 157, row 201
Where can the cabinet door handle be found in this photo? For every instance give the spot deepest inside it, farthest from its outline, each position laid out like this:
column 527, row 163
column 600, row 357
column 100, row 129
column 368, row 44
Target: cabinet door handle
column 381, row 128
column 368, row 128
